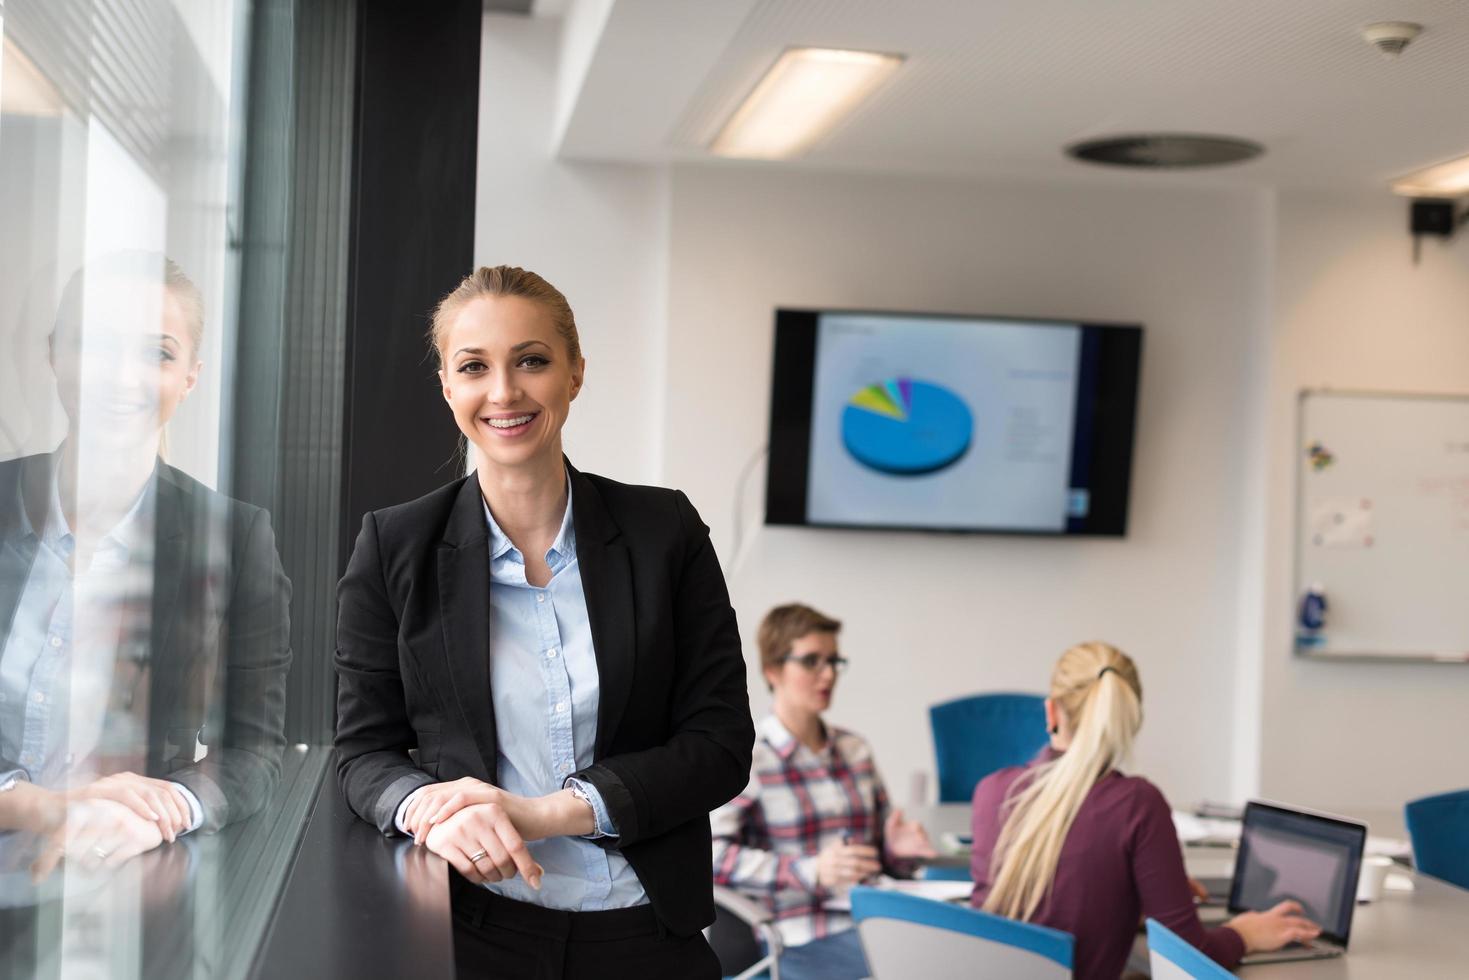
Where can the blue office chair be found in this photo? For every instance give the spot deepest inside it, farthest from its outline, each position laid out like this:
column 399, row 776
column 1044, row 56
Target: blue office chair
column 904, row 936
column 974, row 736
column 1171, row 957
column 1439, row 828
column 935, row 872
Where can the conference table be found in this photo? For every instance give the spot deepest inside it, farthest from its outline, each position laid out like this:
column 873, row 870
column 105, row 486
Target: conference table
column 1419, row 929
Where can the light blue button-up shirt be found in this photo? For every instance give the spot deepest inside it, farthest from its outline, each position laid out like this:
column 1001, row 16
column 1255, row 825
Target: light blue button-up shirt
column 60, row 654
column 545, row 691
column 38, row 662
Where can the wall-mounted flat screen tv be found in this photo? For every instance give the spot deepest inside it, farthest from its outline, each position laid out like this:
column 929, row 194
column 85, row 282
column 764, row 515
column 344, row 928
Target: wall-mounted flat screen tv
column 918, row 421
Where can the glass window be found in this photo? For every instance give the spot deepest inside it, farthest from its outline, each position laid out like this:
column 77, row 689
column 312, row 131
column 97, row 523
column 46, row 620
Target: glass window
column 145, row 777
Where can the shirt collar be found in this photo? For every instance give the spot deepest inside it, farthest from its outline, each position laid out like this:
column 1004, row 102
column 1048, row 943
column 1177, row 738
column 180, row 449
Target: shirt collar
column 564, row 547
column 784, row 743
column 130, row 532
column 778, row 736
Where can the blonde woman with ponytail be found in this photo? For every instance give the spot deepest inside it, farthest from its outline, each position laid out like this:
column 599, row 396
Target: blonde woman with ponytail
column 1071, row 843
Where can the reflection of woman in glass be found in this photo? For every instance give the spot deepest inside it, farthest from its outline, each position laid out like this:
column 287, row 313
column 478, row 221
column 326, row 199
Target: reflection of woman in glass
column 559, row 652
column 146, row 627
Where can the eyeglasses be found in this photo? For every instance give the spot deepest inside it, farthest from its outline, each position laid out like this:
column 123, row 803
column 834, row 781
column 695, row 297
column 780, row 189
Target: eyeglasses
column 815, row 661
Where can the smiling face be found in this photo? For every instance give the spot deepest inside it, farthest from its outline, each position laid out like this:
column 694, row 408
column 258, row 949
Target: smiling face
column 125, row 365
column 796, row 687
column 509, row 379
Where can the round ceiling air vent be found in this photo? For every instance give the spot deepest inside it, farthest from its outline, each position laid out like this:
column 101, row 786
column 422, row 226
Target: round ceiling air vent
column 1165, row 151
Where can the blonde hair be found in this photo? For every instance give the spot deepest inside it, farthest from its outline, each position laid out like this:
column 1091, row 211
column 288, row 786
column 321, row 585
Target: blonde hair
column 189, row 298
column 1097, row 687
column 142, row 267
column 504, row 280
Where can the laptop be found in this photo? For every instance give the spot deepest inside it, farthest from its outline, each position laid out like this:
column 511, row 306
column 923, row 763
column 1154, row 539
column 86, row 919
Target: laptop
column 1309, row 857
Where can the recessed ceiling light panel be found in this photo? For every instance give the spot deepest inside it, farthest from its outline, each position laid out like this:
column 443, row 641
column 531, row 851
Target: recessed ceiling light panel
column 1449, row 179
column 803, row 95
column 1165, row 151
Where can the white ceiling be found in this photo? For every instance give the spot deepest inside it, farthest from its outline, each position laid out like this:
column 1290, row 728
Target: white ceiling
column 998, row 87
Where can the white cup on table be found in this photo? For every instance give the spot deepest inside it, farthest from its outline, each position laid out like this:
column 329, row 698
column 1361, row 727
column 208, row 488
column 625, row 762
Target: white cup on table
column 1374, row 872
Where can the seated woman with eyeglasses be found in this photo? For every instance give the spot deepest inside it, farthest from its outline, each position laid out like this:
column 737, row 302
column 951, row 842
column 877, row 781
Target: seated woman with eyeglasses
column 814, row 819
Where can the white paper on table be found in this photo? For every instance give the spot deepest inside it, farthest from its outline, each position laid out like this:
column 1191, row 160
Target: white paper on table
column 1192, row 829
column 938, row 891
column 1341, row 522
column 1388, row 847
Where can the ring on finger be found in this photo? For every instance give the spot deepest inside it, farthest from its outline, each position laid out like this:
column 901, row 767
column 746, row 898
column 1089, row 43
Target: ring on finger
column 101, row 853
column 474, row 858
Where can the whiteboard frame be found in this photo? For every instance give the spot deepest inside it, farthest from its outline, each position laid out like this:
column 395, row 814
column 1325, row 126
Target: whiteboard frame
column 1298, row 473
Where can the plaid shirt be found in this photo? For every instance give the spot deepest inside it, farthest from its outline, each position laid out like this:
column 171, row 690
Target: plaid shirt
column 766, row 840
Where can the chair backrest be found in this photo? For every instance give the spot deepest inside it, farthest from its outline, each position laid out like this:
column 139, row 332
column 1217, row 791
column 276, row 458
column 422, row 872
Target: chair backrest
column 904, row 936
column 733, row 941
column 937, row 872
column 974, row 736
column 1171, row 957
column 1439, row 828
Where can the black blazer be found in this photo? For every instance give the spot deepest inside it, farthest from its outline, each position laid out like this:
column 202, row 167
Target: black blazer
column 218, row 641
column 674, row 734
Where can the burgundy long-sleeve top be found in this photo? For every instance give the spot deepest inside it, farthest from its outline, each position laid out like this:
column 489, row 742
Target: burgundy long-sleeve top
column 1121, row 860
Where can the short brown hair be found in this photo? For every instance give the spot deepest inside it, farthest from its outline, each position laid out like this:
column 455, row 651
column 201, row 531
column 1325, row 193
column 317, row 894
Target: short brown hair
column 786, row 624
column 505, row 280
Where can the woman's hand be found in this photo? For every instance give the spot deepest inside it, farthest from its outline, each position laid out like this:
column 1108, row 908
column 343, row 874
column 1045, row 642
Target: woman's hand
column 906, row 838
column 97, row 833
column 1264, row 932
column 157, row 800
column 841, row 864
column 482, row 844
column 558, row 814
column 437, row 802
column 31, row 808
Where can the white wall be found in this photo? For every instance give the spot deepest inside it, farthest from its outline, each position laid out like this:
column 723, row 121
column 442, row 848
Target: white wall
column 927, row 616
column 1350, row 310
column 1246, row 297
column 598, row 232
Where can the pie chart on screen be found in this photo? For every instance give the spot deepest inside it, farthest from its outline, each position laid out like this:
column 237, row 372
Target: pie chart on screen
column 906, row 427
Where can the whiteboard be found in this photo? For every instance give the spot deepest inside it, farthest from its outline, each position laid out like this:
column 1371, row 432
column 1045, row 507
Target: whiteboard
column 1382, row 523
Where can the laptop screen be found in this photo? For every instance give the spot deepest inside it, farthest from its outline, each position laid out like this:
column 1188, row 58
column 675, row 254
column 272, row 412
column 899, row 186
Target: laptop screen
column 1285, row 854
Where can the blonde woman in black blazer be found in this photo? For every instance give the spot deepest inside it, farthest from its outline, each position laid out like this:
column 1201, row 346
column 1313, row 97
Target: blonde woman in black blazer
column 540, row 672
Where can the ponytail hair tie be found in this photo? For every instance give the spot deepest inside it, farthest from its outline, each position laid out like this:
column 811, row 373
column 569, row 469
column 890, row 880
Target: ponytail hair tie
column 1104, row 670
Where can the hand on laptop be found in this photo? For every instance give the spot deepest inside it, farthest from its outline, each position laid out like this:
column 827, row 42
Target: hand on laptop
column 1264, row 932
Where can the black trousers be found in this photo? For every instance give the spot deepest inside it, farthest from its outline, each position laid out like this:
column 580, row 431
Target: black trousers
column 504, row 939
